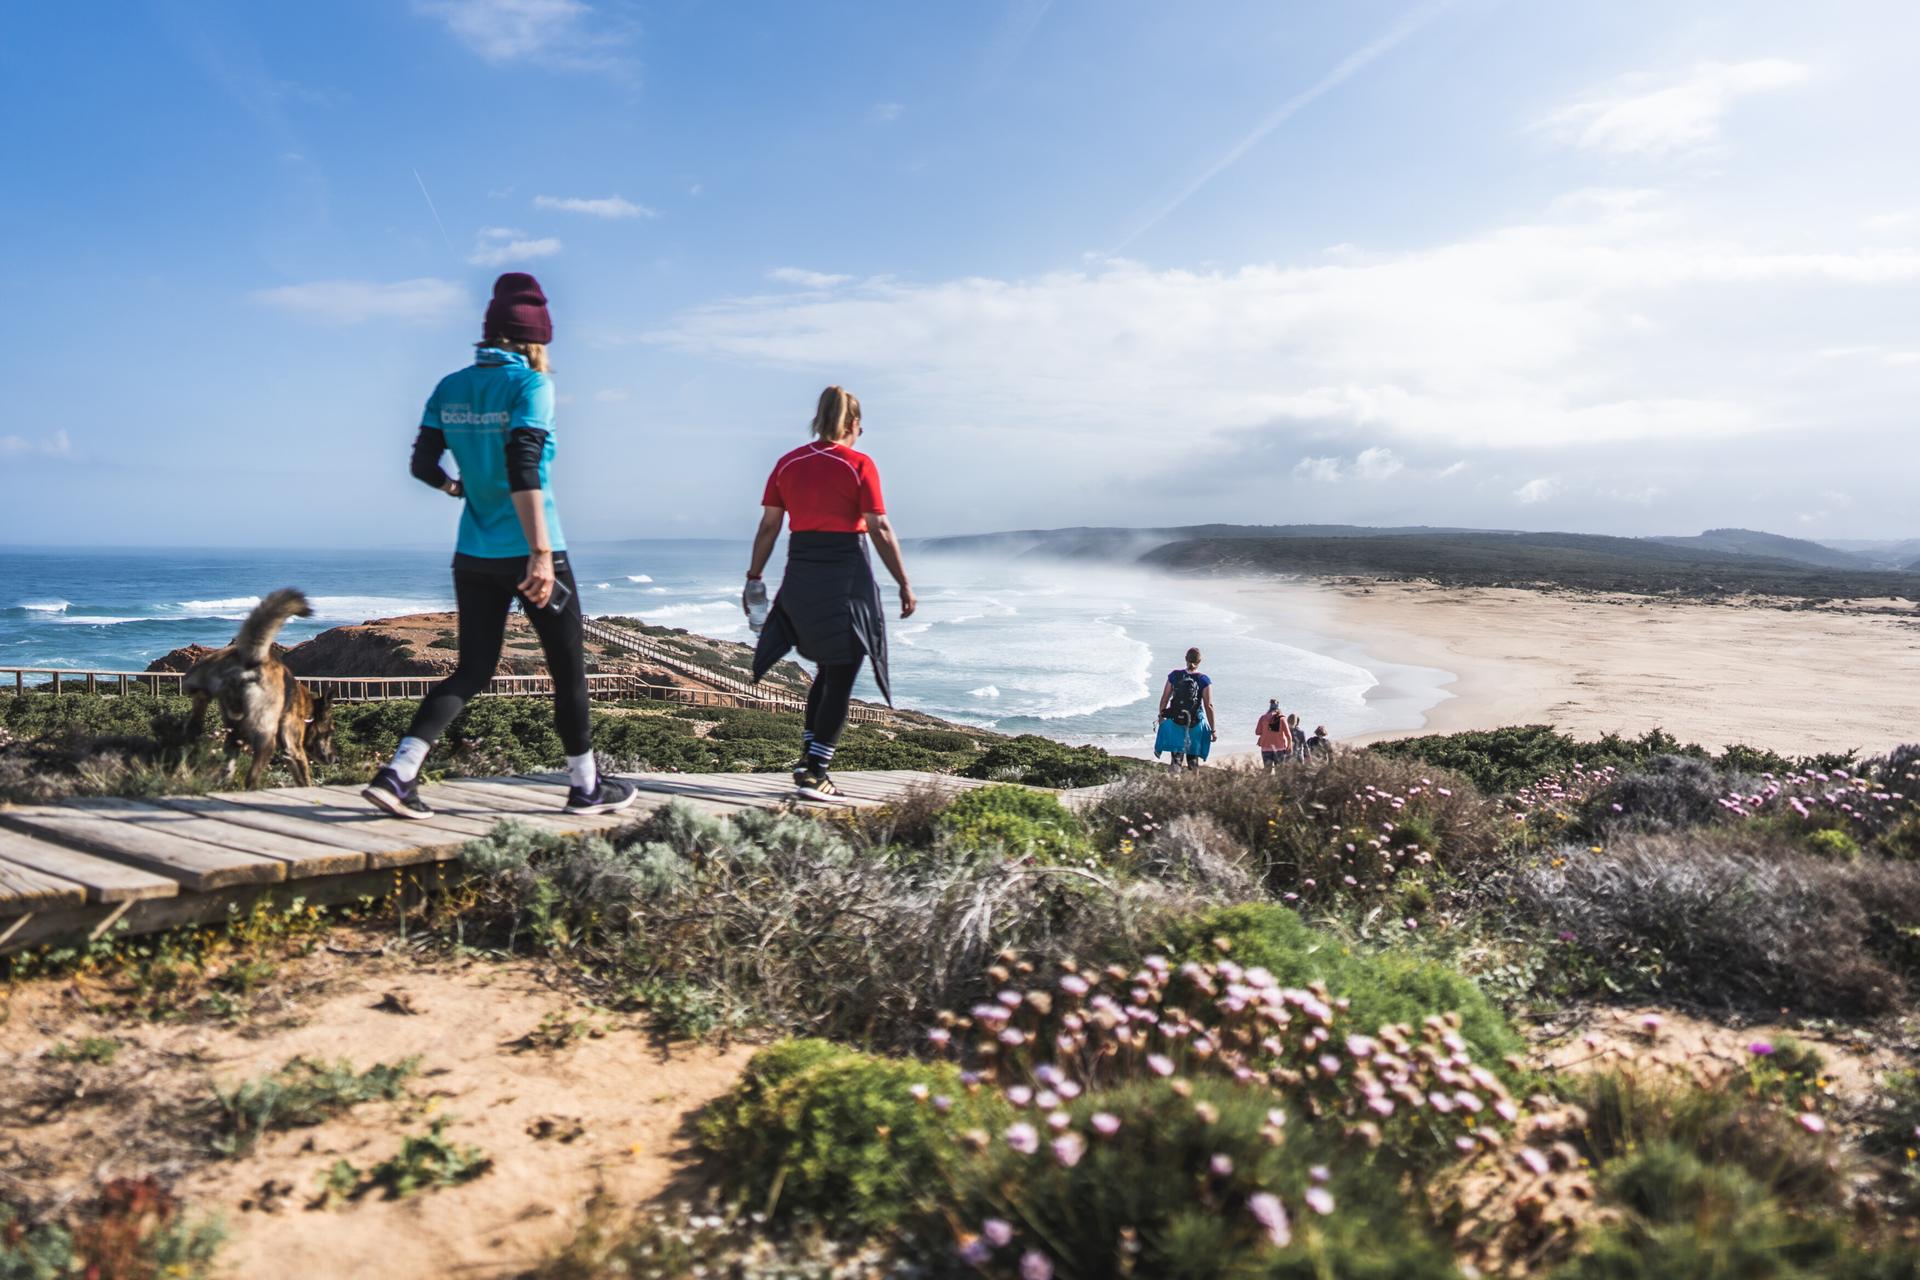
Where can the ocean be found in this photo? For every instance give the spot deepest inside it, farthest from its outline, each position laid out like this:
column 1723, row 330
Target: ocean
column 1070, row 650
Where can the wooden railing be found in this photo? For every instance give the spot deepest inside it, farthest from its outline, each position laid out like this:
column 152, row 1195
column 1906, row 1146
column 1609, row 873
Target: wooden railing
column 602, row 686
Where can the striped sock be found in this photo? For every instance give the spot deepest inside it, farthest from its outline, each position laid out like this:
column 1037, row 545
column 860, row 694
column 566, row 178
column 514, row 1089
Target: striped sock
column 819, row 754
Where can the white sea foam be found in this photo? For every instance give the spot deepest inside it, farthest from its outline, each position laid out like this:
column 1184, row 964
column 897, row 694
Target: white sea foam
column 45, row 606
column 218, row 607
column 984, row 691
column 639, row 577
column 658, row 591
column 602, row 586
column 685, row 610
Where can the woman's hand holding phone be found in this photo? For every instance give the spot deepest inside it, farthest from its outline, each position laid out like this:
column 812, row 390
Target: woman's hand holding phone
column 537, row 586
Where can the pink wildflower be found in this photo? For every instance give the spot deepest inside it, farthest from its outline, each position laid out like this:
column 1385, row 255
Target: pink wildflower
column 1271, row 1215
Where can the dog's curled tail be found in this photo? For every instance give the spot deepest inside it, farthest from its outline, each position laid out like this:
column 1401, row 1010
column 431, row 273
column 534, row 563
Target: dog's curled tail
column 255, row 640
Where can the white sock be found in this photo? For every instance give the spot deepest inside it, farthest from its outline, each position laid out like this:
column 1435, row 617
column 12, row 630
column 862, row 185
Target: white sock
column 406, row 762
column 585, row 773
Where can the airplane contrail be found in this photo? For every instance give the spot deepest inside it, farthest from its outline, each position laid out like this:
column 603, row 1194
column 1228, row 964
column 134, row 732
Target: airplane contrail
column 1409, row 24
column 435, row 212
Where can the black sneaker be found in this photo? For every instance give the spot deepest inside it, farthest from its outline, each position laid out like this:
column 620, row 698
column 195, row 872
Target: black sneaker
column 401, row 799
column 609, row 795
column 813, row 784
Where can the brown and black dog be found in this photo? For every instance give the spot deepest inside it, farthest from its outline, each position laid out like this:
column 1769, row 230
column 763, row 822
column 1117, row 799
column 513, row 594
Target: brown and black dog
column 260, row 701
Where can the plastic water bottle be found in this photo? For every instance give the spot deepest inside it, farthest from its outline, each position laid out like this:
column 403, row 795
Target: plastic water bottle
column 757, row 604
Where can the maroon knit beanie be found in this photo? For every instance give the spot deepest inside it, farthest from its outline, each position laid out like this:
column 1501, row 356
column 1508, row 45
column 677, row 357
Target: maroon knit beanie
column 518, row 311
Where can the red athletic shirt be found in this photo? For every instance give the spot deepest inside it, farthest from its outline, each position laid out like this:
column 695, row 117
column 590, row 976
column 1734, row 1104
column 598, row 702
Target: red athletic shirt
column 825, row 488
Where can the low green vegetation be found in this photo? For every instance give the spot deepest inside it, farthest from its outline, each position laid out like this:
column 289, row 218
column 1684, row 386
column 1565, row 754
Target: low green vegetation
column 99, row 1050
column 426, row 1161
column 134, row 1230
column 1236, row 1023
column 1016, row 821
column 302, row 1093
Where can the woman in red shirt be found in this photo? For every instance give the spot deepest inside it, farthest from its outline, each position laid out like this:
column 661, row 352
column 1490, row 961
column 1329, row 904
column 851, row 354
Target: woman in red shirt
column 829, row 603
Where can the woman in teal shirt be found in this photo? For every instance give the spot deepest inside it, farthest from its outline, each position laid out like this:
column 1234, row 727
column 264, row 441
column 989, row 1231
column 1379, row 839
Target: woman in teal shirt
column 496, row 418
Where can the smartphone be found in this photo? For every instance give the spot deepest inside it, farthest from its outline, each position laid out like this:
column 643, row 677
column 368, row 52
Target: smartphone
column 556, row 599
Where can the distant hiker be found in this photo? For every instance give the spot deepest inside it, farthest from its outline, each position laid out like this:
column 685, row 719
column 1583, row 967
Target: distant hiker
column 829, row 605
column 1186, row 730
column 1274, row 735
column 1320, row 744
column 1299, row 737
column 496, row 416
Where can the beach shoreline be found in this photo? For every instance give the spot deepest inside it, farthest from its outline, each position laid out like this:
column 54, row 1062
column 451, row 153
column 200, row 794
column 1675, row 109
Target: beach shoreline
column 1830, row 678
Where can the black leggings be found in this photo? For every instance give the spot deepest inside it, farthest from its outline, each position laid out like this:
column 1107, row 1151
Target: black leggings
column 827, row 703
column 485, row 590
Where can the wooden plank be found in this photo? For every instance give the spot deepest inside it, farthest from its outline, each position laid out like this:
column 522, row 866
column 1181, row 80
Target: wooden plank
column 195, row 865
column 468, row 819
column 104, row 881
column 24, row 889
column 452, row 801
column 386, row 842
column 304, row 858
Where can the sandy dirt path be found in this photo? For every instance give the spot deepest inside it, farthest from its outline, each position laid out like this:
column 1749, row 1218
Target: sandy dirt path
column 616, row 1108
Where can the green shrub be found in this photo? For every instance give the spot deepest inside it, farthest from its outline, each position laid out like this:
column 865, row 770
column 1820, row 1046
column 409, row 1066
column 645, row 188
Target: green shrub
column 1687, row 1218
column 949, row 741
column 1728, row 916
column 1016, row 821
column 1042, row 762
column 1361, row 830
column 1501, row 761
column 1169, row 1195
column 828, row 1134
column 1831, row 842
column 1720, row 1125
column 1382, row 988
column 1666, row 793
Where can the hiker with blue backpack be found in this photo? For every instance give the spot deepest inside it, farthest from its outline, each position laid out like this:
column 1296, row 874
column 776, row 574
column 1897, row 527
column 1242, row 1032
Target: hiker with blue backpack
column 1186, row 730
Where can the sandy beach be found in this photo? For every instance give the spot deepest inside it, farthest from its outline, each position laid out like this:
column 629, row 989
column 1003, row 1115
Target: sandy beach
column 1841, row 676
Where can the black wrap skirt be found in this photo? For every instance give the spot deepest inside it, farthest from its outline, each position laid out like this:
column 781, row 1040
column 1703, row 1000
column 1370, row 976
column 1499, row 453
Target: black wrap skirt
column 828, row 608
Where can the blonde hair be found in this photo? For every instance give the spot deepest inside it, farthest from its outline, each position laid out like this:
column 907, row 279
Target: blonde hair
column 535, row 352
column 838, row 411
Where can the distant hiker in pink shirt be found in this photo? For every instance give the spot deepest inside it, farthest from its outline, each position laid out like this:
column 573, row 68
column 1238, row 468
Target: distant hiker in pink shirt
column 1274, row 735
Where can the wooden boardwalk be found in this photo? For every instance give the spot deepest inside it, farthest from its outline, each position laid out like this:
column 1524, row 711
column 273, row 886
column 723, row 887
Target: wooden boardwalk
column 73, row 871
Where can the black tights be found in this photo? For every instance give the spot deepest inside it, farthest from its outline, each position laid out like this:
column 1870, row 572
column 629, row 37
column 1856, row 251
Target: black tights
column 485, row 590
column 827, row 704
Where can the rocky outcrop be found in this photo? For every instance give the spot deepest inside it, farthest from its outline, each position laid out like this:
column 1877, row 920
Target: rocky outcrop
column 183, row 659
column 427, row 644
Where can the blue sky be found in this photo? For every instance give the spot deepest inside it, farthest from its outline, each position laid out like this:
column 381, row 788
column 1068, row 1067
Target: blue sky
column 1627, row 267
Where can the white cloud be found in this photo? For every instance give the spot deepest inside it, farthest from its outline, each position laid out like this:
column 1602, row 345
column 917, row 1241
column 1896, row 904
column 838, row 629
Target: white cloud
column 1591, row 325
column 1892, row 357
column 1634, row 495
column 565, row 34
column 1640, row 118
column 497, row 246
column 1376, row 464
column 355, row 301
column 57, row 445
column 1450, row 470
column 887, row 112
column 601, row 207
column 1318, row 470
column 806, row 279
column 1538, row 490
column 1887, row 222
